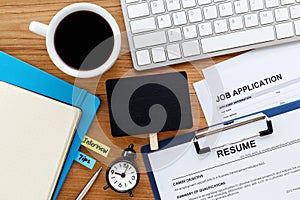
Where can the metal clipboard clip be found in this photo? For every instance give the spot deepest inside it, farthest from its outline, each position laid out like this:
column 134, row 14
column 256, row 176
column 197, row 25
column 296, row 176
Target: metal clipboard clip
column 231, row 125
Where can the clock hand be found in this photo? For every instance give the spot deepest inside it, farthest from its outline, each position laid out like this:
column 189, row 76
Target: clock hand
column 126, row 169
column 118, row 173
column 122, row 175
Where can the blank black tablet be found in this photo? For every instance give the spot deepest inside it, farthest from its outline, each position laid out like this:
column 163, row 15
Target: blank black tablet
column 149, row 104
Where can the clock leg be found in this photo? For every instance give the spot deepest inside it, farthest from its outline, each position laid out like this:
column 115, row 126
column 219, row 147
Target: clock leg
column 130, row 193
column 106, row 187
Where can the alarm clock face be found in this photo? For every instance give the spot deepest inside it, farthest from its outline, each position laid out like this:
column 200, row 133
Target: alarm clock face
column 122, row 176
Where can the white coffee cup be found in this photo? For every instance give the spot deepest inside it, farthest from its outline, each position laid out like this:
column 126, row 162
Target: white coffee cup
column 49, row 33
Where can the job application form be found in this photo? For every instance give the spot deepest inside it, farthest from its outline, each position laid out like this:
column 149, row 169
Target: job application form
column 253, row 81
column 258, row 168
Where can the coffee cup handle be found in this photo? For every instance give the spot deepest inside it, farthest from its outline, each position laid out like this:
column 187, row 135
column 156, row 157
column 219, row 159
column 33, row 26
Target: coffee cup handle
column 38, row 28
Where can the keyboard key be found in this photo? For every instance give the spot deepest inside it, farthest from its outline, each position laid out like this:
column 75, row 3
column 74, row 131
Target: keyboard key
column 225, row 9
column 195, row 15
column 238, row 39
column 220, row 26
column 297, row 27
column 173, row 51
column 295, row 11
column 205, row 29
column 272, row 3
column 210, row 12
column 143, row 25
column 285, row 30
column 266, row 17
column 179, row 18
column 143, row 57
column 189, row 32
column 251, row 20
column 164, row 21
column 131, row 1
column 204, row 2
column 256, row 4
column 173, row 5
column 188, row 3
column 281, row 14
column 286, row 2
column 241, row 6
column 236, row 23
column 138, row 10
column 174, row 34
column 157, row 7
column 149, row 39
column 191, row 48
column 158, row 54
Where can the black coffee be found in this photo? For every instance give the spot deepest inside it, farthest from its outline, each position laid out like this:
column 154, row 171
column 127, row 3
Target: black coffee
column 84, row 40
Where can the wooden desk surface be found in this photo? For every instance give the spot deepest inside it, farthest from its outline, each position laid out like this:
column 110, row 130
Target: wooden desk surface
column 17, row 40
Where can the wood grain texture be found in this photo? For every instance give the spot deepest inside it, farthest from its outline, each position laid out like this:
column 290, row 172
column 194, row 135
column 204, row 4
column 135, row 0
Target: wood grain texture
column 18, row 41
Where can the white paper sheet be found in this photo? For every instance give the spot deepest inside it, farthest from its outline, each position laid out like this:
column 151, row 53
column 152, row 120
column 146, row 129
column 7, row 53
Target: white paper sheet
column 250, row 82
column 269, row 170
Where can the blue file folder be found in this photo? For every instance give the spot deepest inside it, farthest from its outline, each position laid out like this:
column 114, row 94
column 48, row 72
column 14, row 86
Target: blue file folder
column 26, row 76
column 188, row 137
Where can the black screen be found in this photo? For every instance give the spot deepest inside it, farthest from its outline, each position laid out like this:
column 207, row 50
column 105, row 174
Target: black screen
column 139, row 105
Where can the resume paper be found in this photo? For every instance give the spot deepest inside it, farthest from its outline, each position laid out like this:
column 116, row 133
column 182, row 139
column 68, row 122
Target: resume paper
column 257, row 168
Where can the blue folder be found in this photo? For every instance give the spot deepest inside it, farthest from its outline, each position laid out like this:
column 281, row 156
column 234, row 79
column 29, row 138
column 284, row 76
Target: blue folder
column 26, row 76
column 188, row 137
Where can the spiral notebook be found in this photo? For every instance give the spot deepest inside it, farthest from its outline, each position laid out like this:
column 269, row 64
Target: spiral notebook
column 36, row 134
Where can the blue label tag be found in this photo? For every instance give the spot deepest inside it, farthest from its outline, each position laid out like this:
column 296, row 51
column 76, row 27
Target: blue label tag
column 85, row 160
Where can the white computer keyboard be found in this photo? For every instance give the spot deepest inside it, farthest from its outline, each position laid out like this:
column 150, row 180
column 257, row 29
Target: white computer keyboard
column 166, row 32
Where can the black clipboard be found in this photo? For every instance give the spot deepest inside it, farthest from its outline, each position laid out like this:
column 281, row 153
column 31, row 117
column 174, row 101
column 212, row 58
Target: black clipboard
column 188, row 137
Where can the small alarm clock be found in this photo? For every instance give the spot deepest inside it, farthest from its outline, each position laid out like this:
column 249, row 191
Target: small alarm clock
column 123, row 175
